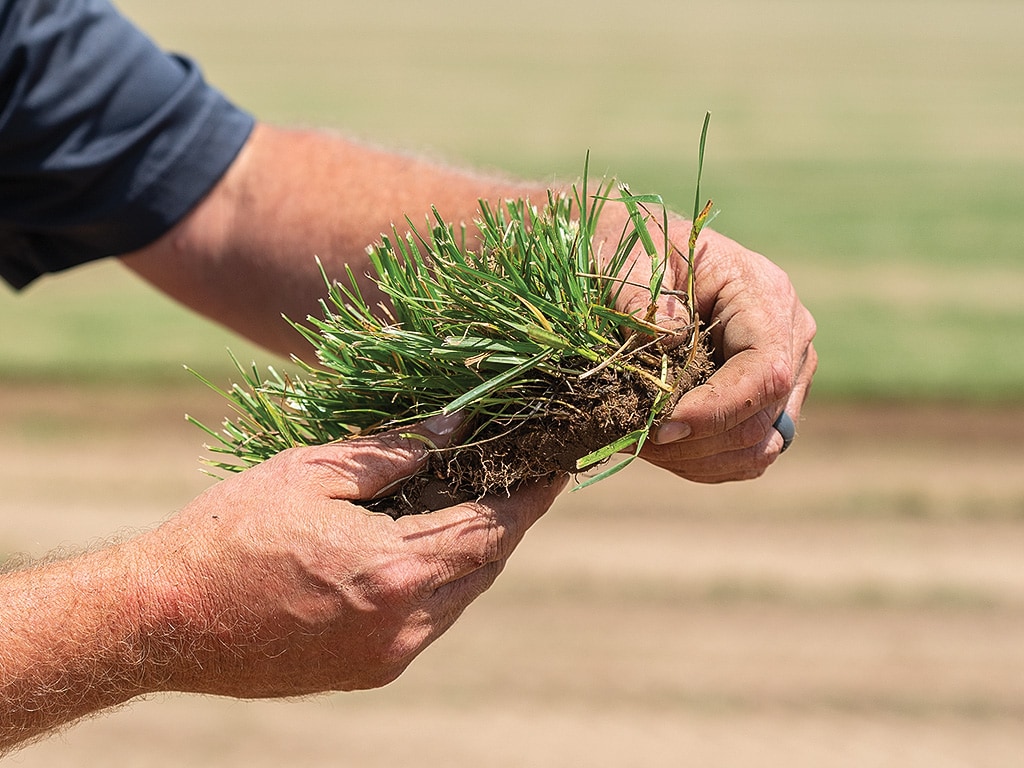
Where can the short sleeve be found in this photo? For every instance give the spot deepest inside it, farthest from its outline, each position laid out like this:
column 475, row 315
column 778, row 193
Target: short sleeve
column 105, row 140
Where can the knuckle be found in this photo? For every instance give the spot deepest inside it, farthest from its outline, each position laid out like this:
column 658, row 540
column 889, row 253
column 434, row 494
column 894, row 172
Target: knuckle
column 393, row 657
column 721, row 420
column 810, row 325
column 486, row 534
column 306, row 463
column 398, row 582
column 810, row 365
column 298, row 465
column 382, row 585
column 755, row 430
column 289, row 457
column 779, row 379
column 398, row 450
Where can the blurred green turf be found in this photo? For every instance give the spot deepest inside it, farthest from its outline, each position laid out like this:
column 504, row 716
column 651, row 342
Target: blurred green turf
column 873, row 149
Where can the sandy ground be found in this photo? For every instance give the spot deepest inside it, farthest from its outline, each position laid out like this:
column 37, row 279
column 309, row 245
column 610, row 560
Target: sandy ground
column 861, row 605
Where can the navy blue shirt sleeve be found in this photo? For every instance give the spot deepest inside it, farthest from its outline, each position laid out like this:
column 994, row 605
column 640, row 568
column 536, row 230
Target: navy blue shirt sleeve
column 105, row 140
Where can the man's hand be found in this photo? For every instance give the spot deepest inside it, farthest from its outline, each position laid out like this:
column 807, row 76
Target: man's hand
column 762, row 335
column 273, row 584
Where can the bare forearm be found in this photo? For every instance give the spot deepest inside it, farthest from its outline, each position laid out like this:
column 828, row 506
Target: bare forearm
column 245, row 256
column 70, row 642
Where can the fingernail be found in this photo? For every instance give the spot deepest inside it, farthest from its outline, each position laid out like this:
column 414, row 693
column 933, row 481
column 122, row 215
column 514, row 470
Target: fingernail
column 443, row 424
column 669, row 433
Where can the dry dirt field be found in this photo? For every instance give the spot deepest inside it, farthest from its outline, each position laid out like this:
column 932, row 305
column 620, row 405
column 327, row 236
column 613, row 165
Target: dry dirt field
column 861, row 605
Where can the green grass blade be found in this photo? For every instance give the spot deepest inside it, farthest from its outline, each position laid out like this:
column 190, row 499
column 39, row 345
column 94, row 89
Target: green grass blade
column 495, row 383
column 615, row 469
column 609, row 450
column 700, row 165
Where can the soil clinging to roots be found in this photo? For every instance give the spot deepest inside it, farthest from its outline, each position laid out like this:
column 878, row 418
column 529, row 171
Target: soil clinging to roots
column 577, row 417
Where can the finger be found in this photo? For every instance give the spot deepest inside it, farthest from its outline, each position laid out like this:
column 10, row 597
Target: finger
column 788, row 420
column 441, row 609
column 450, row 597
column 455, row 542
column 747, row 434
column 743, row 452
column 446, row 603
column 670, row 310
column 364, row 468
column 759, row 328
column 728, row 466
column 802, row 388
column 746, row 384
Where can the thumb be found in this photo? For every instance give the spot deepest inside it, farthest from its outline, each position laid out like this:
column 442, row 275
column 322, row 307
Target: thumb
column 366, row 467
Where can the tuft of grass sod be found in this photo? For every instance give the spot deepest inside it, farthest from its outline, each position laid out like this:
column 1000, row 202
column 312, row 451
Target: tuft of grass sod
column 482, row 330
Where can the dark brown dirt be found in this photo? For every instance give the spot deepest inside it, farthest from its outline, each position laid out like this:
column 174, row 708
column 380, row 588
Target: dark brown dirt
column 576, row 418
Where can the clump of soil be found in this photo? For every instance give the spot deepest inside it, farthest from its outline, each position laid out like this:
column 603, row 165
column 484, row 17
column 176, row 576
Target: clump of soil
column 576, row 418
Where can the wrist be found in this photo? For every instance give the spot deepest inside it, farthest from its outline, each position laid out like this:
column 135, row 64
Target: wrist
column 72, row 639
column 170, row 614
